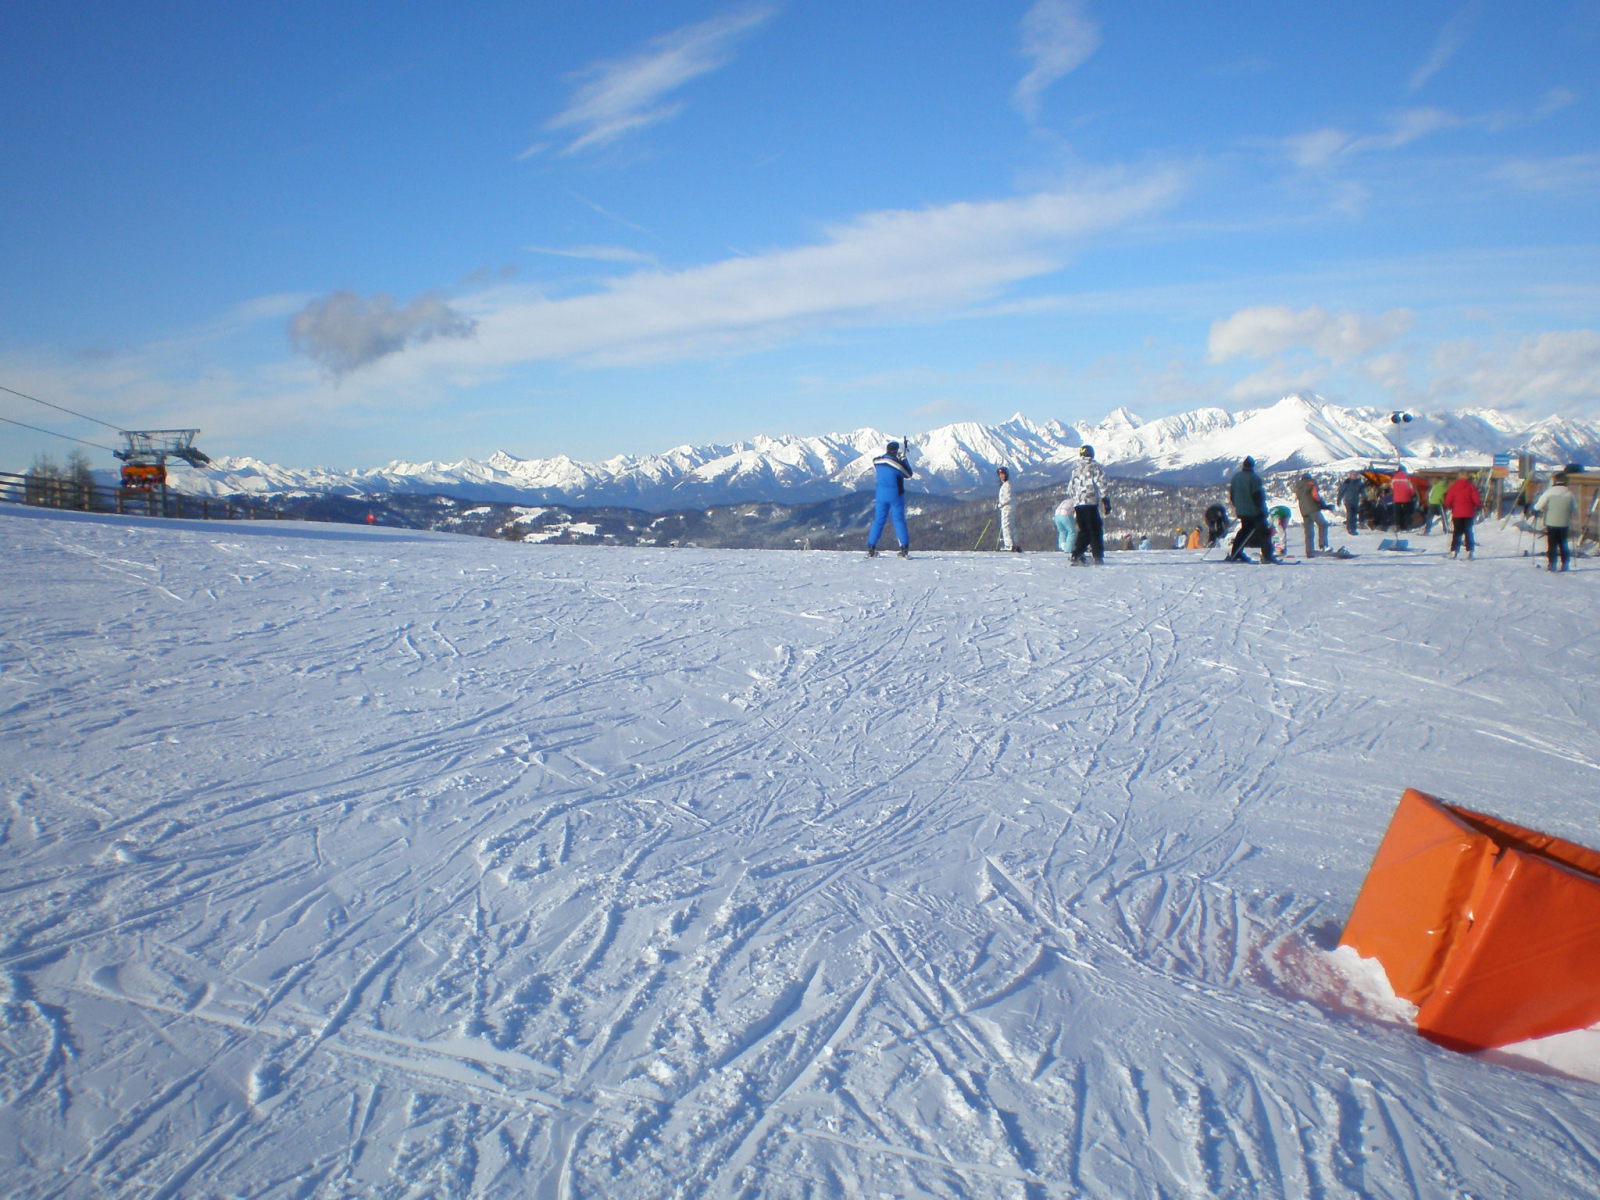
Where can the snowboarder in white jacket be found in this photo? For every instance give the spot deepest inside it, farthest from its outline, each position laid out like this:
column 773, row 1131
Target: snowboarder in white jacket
column 1557, row 505
column 1087, row 490
column 1008, row 511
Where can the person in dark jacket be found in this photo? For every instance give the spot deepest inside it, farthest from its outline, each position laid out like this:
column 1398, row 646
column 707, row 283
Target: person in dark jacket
column 1216, row 524
column 1349, row 497
column 889, row 499
column 1249, row 501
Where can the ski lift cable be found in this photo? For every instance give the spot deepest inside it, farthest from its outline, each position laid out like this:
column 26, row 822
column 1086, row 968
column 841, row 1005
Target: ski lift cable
column 196, row 459
column 58, row 408
column 53, row 433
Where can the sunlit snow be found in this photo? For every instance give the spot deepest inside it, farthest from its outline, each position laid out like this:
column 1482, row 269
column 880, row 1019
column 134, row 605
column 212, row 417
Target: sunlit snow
column 339, row 861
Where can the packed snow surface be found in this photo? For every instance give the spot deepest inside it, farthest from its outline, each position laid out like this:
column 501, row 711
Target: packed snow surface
column 339, row 862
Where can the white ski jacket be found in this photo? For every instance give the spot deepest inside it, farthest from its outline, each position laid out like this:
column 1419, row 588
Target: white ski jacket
column 1557, row 504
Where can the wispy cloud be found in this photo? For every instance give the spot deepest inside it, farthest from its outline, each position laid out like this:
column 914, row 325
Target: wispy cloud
column 611, row 254
column 1552, row 102
column 1270, row 330
column 1570, row 174
column 882, row 267
column 1322, row 147
column 620, row 96
column 1058, row 37
column 1449, row 42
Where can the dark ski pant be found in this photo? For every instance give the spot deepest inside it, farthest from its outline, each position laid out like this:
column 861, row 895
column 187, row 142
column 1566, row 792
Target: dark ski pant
column 1091, row 533
column 885, row 508
column 1462, row 530
column 1253, row 531
column 1555, row 537
column 1351, row 512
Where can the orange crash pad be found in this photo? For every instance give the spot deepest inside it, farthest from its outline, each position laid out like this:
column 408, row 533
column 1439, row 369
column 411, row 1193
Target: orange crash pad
column 1492, row 930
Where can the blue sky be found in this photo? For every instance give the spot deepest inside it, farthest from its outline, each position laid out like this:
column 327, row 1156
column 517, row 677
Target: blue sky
column 344, row 234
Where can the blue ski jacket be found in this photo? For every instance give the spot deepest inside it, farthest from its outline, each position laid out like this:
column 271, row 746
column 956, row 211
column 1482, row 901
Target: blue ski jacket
column 892, row 474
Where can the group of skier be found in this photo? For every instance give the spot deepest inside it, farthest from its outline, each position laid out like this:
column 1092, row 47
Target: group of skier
column 1086, row 497
column 1080, row 531
column 1080, row 528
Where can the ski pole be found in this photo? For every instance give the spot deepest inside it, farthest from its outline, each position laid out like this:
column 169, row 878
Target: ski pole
column 979, row 543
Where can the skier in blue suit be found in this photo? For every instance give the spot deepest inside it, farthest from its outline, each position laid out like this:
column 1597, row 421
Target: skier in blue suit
column 892, row 471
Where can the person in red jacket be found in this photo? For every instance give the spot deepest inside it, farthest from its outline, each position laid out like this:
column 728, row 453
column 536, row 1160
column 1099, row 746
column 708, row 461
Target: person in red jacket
column 1405, row 499
column 1462, row 502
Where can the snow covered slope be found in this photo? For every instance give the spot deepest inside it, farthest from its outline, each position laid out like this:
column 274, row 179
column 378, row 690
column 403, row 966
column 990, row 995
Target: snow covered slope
column 1298, row 432
column 346, row 862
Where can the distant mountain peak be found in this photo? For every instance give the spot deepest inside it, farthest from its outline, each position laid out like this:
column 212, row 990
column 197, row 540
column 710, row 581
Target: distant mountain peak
column 1301, row 431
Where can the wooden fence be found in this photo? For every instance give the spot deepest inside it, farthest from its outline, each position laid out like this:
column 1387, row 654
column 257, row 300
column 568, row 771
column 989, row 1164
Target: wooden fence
column 43, row 492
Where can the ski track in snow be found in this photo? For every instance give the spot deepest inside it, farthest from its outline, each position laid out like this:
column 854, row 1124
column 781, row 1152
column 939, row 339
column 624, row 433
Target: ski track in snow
column 433, row 867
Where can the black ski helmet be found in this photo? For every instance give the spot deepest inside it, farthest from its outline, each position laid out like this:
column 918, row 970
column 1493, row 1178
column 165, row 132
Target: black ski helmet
column 1086, row 451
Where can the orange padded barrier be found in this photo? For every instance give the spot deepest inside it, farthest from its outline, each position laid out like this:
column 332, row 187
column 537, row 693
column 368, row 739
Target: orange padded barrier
column 1492, row 930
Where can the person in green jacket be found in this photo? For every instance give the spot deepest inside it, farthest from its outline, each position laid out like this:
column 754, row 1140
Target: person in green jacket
column 1436, row 504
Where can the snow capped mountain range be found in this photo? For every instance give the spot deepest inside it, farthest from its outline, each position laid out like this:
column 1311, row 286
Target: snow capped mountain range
column 1300, row 432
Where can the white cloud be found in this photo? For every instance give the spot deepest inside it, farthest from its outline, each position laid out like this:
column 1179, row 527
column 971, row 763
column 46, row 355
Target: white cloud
column 1572, row 174
column 1449, row 42
column 1391, row 372
column 1406, row 127
column 613, row 254
column 1273, row 383
column 882, row 267
column 1321, row 147
column 1317, row 148
column 623, row 95
column 1557, row 371
column 1265, row 331
column 1058, row 37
